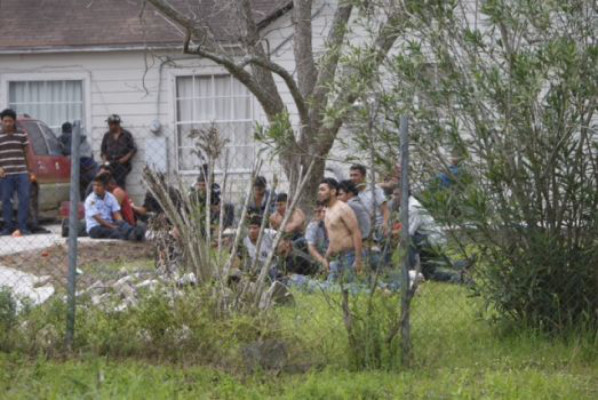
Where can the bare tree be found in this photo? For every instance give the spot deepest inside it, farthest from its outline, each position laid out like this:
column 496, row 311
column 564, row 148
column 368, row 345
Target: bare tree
column 322, row 88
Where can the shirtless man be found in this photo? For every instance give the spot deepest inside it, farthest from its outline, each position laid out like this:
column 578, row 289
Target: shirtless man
column 295, row 225
column 344, row 248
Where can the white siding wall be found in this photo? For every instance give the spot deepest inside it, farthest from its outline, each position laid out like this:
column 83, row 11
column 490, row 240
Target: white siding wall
column 140, row 86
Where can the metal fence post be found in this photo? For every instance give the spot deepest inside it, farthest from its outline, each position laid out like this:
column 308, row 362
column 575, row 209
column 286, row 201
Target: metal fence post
column 405, row 242
column 73, row 232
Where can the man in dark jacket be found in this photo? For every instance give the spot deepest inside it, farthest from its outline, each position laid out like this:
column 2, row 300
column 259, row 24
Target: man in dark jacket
column 118, row 148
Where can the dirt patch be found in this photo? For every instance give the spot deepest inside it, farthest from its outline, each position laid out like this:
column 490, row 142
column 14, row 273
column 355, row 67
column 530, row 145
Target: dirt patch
column 92, row 257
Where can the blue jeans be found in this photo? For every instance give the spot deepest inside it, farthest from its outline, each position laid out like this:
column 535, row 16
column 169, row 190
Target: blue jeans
column 21, row 184
column 122, row 231
column 342, row 266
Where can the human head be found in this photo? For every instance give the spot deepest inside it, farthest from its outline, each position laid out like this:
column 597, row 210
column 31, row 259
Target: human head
column 281, row 203
column 67, row 127
column 253, row 228
column 9, row 118
column 259, row 185
column 285, row 247
column 357, row 173
column 327, row 191
column 110, row 181
column 201, row 184
column 113, row 121
column 455, row 159
column 99, row 185
column 347, row 190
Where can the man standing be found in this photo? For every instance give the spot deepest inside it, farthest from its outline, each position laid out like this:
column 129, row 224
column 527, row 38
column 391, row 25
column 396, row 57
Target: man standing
column 344, row 247
column 118, row 148
column 103, row 217
column 14, row 173
column 373, row 200
column 295, row 225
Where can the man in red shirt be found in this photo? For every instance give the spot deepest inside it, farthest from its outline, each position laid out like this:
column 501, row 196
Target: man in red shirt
column 126, row 208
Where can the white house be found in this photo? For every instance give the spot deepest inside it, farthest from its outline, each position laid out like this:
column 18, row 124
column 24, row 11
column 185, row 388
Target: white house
column 71, row 59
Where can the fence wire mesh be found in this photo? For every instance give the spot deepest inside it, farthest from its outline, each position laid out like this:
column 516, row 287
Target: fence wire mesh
column 154, row 226
column 251, row 243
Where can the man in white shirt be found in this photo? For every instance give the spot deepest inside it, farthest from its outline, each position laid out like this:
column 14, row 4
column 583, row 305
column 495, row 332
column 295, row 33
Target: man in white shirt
column 428, row 241
column 102, row 215
column 250, row 246
column 373, row 200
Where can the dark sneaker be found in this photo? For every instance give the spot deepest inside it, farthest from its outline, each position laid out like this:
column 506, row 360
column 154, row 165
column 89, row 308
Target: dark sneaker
column 5, row 232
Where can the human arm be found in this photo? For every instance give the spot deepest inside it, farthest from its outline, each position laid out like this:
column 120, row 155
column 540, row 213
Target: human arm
column 139, row 210
column 274, row 221
column 131, row 147
column 313, row 251
column 119, row 194
column 386, row 215
column 104, row 148
column 127, row 157
column 296, row 223
column 103, row 222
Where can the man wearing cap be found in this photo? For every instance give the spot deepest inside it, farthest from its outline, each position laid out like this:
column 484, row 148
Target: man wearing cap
column 118, row 148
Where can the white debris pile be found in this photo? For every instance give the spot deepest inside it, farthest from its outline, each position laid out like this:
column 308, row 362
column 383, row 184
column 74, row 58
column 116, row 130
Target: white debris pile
column 26, row 288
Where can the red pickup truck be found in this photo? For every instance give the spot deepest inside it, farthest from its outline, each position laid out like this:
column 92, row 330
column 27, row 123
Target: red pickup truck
column 51, row 171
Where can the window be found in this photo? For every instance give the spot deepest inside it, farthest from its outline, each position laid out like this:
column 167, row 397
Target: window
column 53, row 102
column 224, row 101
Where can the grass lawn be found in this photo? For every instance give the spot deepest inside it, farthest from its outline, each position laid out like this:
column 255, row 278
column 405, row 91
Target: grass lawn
column 456, row 355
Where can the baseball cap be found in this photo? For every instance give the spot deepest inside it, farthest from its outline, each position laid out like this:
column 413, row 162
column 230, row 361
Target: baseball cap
column 113, row 118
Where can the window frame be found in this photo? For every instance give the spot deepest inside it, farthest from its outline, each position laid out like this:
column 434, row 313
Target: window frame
column 205, row 73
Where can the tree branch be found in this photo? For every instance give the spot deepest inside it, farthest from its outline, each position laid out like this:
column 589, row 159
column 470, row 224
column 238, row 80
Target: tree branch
column 336, row 35
column 288, row 79
column 199, row 28
column 304, row 59
column 386, row 38
column 260, row 82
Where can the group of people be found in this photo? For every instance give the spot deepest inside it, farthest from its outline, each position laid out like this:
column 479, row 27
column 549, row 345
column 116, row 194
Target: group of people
column 352, row 225
column 354, row 228
column 16, row 175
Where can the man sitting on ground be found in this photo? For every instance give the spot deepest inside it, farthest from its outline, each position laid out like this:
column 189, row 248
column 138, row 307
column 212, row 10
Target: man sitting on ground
column 122, row 197
column 103, row 217
column 293, row 257
column 250, row 242
column 295, row 225
column 428, row 242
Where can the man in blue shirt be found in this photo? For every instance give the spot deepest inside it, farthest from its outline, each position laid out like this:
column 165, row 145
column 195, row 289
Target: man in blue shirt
column 103, row 217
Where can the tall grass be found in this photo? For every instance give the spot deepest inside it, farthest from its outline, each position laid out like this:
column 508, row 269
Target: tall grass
column 147, row 353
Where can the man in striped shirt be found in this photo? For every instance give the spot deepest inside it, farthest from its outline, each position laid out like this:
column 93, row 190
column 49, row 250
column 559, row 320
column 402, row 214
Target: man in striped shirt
column 14, row 173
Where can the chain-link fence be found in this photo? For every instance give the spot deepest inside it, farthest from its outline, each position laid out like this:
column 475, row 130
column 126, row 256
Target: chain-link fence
column 243, row 240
